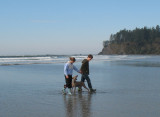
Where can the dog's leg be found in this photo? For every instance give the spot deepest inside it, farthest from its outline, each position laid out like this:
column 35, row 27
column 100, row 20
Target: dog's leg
column 80, row 88
column 85, row 87
column 74, row 89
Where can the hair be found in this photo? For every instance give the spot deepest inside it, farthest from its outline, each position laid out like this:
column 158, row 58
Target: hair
column 72, row 59
column 90, row 56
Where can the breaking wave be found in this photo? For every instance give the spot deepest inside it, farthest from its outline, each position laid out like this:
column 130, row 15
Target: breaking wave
column 49, row 59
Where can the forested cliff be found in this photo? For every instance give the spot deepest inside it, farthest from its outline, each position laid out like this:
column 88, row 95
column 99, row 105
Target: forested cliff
column 138, row 41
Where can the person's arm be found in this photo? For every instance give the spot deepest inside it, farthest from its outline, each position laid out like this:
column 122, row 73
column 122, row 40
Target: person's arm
column 75, row 68
column 65, row 70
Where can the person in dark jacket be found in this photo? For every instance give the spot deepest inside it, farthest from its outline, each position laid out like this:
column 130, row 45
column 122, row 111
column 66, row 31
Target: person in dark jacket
column 85, row 72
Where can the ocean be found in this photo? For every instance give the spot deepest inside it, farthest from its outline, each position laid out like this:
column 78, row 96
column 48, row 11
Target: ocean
column 127, row 86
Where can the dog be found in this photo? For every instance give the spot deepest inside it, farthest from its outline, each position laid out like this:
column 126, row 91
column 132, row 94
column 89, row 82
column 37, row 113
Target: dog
column 78, row 84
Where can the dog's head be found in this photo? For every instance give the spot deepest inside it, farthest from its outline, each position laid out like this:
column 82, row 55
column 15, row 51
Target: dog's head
column 75, row 77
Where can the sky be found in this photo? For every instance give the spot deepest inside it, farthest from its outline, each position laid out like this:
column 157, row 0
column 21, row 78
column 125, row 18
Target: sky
column 69, row 26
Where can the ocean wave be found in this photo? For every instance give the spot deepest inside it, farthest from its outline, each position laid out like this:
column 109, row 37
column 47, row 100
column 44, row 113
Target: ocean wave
column 24, row 60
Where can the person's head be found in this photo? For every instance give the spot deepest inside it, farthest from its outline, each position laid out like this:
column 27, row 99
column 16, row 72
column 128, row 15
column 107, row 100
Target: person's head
column 72, row 59
column 90, row 57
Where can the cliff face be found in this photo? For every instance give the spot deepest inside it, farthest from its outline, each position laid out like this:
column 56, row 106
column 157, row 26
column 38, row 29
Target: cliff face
column 132, row 48
column 113, row 49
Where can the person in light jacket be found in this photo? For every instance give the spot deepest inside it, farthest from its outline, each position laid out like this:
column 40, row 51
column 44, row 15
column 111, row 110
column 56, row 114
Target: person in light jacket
column 68, row 71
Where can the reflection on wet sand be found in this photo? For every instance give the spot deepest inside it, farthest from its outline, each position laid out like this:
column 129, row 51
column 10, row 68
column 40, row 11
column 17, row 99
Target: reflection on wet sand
column 78, row 105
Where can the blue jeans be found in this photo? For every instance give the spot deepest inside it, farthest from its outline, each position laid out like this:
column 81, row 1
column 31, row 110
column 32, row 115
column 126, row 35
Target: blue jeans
column 86, row 77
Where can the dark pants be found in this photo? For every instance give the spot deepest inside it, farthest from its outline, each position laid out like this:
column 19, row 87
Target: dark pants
column 86, row 77
column 68, row 81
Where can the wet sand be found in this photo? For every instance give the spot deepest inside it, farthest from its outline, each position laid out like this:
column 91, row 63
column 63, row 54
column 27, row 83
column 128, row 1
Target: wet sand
column 124, row 89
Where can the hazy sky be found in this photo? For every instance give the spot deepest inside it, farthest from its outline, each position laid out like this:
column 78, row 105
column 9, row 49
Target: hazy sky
column 69, row 26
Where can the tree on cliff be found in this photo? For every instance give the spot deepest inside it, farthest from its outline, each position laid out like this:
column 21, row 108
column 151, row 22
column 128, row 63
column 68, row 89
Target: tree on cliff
column 138, row 41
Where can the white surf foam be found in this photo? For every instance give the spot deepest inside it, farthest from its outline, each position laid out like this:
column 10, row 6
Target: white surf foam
column 60, row 59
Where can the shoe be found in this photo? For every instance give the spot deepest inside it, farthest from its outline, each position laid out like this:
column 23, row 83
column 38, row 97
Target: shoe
column 92, row 90
column 69, row 92
column 64, row 91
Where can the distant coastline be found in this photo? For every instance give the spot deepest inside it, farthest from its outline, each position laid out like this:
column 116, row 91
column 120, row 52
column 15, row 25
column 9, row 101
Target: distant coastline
column 140, row 41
